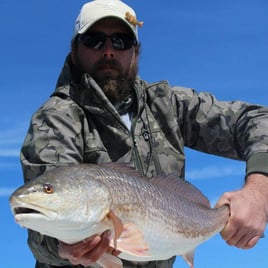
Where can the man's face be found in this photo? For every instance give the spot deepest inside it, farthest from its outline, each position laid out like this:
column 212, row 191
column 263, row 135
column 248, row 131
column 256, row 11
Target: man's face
column 112, row 69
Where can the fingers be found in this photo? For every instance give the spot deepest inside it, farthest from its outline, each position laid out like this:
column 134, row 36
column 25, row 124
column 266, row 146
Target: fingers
column 241, row 234
column 87, row 251
column 247, row 220
column 77, row 249
column 252, row 242
column 113, row 251
column 240, row 238
column 103, row 245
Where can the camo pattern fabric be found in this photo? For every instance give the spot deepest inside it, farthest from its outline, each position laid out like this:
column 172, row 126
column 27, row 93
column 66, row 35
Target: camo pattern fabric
column 78, row 124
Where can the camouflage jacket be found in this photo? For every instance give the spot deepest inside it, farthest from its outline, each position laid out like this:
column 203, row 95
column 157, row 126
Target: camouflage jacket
column 79, row 124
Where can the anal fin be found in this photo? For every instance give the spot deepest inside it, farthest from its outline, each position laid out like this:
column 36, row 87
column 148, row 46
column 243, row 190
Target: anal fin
column 189, row 258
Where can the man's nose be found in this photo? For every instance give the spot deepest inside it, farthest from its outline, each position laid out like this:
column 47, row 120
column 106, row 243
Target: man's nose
column 108, row 49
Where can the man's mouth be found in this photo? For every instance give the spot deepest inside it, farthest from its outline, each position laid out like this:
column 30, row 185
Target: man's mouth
column 107, row 67
column 108, row 71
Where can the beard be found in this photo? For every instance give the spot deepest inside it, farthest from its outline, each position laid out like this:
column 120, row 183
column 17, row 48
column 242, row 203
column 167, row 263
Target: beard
column 116, row 88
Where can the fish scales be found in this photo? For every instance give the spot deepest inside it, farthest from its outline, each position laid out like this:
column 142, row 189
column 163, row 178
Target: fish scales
column 174, row 216
column 137, row 192
column 133, row 194
column 160, row 217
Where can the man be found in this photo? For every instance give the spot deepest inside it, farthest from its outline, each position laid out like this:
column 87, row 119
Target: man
column 83, row 122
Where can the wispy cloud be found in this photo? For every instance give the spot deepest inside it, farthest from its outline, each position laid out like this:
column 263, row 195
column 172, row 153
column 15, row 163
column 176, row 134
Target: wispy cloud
column 6, row 191
column 11, row 139
column 212, row 172
column 10, row 152
column 10, row 165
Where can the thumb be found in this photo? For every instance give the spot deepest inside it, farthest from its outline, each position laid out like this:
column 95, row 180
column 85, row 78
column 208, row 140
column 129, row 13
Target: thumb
column 224, row 200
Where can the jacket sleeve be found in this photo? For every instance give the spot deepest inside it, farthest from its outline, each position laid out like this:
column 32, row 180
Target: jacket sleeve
column 54, row 137
column 235, row 129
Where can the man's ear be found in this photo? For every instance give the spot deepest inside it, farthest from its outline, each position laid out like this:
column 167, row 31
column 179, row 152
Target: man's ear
column 73, row 56
column 74, row 46
column 137, row 52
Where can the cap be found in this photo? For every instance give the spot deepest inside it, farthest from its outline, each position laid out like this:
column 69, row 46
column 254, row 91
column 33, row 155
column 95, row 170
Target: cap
column 95, row 10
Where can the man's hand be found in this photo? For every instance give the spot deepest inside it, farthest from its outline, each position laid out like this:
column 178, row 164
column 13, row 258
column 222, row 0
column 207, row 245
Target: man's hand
column 87, row 251
column 248, row 212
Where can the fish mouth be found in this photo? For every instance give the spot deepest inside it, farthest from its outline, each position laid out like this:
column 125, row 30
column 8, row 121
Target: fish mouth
column 24, row 210
column 27, row 210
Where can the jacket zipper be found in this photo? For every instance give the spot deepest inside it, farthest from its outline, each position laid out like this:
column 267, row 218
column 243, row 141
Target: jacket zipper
column 137, row 158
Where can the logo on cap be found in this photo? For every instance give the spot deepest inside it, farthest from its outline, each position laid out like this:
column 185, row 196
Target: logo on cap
column 132, row 19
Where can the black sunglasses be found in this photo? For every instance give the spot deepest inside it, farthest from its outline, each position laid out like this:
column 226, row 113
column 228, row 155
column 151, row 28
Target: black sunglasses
column 96, row 40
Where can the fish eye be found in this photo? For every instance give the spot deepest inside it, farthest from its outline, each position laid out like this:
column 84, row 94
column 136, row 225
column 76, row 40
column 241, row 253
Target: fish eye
column 48, row 188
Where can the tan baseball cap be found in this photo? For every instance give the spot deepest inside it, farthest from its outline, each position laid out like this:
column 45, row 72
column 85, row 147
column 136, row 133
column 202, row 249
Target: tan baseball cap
column 95, row 10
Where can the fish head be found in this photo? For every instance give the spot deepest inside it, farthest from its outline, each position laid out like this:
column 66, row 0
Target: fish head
column 64, row 207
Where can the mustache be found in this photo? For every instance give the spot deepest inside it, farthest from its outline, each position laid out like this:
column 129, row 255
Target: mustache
column 110, row 63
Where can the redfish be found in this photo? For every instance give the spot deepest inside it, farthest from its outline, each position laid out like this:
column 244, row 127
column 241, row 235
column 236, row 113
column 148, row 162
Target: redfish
column 150, row 218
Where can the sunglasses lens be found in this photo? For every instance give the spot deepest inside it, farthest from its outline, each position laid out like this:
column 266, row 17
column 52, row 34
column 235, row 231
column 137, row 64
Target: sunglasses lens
column 93, row 40
column 96, row 40
column 122, row 41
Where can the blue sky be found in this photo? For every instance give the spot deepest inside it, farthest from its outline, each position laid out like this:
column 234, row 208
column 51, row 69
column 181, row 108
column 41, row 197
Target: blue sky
column 215, row 46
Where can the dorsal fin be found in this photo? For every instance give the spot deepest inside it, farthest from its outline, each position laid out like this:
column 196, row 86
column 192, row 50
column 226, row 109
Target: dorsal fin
column 182, row 187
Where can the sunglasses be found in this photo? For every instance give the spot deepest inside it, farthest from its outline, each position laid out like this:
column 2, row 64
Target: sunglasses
column 96, row 40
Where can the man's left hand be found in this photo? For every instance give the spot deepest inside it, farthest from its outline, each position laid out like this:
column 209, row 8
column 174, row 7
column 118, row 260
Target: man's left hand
column 248, row 212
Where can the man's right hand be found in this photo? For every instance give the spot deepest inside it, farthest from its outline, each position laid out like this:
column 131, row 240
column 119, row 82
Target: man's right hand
column 87, row 251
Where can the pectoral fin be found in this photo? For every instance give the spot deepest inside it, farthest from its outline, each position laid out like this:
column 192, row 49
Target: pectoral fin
column 128, row 238
column 132, row 241
column 118, row 227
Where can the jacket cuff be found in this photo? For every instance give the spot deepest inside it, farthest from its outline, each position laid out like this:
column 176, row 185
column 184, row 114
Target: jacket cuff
column 257, row 163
